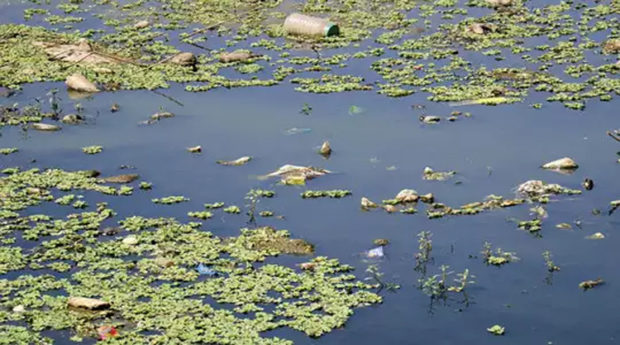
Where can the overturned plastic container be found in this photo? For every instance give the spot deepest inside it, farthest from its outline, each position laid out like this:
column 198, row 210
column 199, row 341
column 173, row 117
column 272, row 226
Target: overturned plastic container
column 302, row 25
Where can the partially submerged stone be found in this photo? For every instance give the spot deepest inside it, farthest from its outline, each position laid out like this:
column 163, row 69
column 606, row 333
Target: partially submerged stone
column 72, row 119
column 430, row 119
column 308, row 266
column 162, row 115
column 237, row 56
column 407, row 195
column 87, row 303
column 499, row 3
column 294, row 174
column 141, row 24
column 367, row 204
column 478, row 28
column 164, row 262
column 184, row 59
column 588, row 184
column 5, row 92
column 237, row 162
column 44, row 127
column 325, row 149
column 124, row 178
column 428, row 198
column 131, row 240
column 596, row 236
column 381, row 242
column 430, row 174
column 195, row 149
column 390, row 208
column 79, row 83
column 612, row 46
column 562, row 163
column 536, row 188
column 588, row 284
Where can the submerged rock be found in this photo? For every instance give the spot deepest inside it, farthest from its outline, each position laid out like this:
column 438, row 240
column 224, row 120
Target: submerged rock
column 72, row 119
column 428, row 198
column 366, row 203
column 390, row 208
column 534, row 188
column 141, row 24
column 237, row 56
column 195, row 149
column 407, row 195
column 44, row 127
column 562, row 163
column 131, row 240
column 596, row 236
column 294, row 174
column 4, row 92
column 162, row 115
column 326, row 149
column 430, row 119
column 237, row 162
column 164, row 262
column 588, row 184
column 612, row 46
column 432, row 175
column 498, row 3
column 79, row 83
column 478, row 28
column 87, row 303
column 381, row 242
column 125, row 178
column 588, row 284
column 184, row 59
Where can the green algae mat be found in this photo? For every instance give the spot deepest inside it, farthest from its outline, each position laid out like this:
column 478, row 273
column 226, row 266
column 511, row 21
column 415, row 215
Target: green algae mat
column 162, row 282
column 453, row 51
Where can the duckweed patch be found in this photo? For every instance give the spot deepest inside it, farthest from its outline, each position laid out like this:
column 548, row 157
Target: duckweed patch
column 148, row 278
column 8, row 150
column 446, row 58
column 169, row 200
column 334, row 194
column 91, row 150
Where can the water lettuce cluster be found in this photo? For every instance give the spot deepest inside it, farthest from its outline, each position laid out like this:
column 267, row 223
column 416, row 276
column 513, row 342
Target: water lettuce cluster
column 145, row 268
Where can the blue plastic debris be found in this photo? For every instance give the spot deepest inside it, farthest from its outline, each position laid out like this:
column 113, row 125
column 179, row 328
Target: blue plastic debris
column 375, row 252
column 206, row 270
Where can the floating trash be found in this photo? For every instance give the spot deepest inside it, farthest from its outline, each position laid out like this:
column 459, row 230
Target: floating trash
column 375, row 253
column 596, row 236
column 237, row 162
column 106, row 332
column 496, row 330
column 355, row 110
column 78, row 82
column 296, row 130
column 588, row 284
column 206, row 270
column 302, row 25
